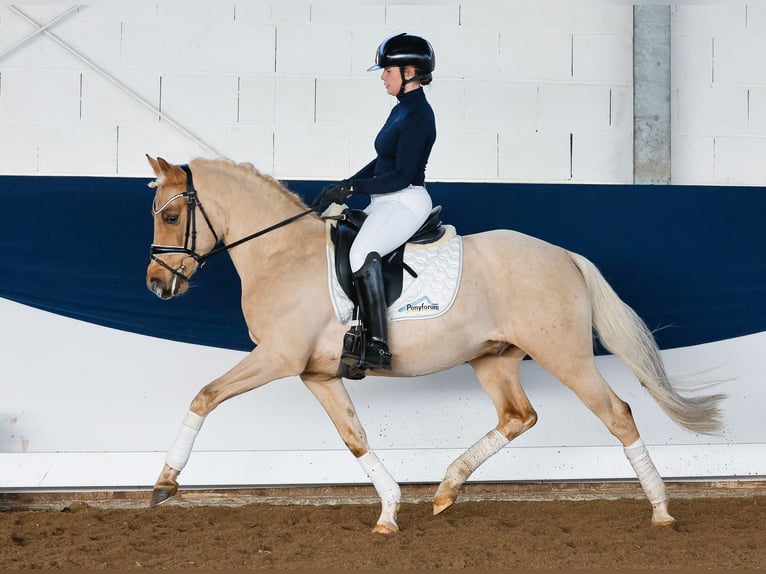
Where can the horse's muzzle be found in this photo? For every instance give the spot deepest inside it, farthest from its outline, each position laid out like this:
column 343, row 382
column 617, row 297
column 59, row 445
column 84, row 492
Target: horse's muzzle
column 159, row 288
column 166, row 288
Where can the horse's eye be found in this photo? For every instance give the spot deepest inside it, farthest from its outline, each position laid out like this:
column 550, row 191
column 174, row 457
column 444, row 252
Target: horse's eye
column 171, row 219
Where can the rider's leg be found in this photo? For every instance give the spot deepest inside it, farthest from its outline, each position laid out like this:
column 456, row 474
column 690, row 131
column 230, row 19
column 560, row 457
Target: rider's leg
column 392, row 219
column 372, row 306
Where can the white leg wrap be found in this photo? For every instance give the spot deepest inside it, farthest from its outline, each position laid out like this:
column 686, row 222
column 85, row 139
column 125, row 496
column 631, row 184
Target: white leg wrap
column 646, row 472
column 385, row 485
column 178, row 455
column 488, row 445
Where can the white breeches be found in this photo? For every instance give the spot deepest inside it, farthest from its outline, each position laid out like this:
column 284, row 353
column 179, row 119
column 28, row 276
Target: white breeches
column 392, row 218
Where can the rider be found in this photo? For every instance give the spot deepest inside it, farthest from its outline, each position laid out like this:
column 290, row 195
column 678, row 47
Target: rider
column 394, row 180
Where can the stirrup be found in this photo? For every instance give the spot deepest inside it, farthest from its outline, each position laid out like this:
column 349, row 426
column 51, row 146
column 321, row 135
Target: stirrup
column 353, row 343
column 360, row 353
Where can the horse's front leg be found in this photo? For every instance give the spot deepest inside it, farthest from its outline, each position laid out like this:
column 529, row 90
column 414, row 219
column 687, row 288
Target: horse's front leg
column 333, row 396
column 255, row 370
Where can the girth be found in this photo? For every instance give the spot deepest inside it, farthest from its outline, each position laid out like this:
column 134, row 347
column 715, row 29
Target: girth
column 346, row 230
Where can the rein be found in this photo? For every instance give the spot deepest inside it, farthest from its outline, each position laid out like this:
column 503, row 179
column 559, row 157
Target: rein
column 190, row 240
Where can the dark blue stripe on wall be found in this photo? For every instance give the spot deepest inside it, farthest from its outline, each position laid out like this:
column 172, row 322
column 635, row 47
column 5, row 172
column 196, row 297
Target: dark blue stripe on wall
column 689, row 260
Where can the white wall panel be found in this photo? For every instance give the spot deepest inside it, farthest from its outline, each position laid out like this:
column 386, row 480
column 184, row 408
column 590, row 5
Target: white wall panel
column 226, row 47
column 709, row 18
column 311, row 153
column 102, row 100
column 65, row 148
column 257, row 100
column 365, row 103
column 448, row 99
column 691, row 60
column 99, row 39
column 534, row 156
column 493, row 14
column 198, row 11
column 464, row 52
column 693, row 162
column 253, row 144
column 157, row 139
column 536, row 56
column 735, row 163
column 405, row 15
column 756, row 18
column 40, row 95
column 469, row 154
column 18, row 147
column 700, row 110
column 156, row 46
column 295, row 101
column 356, row 14
column 501, row 105
column 596, row 156
column 756, row 110
column 570, row 108
column 734, row 61
column 604, row 18
column 308, row 50
column 602, row 58
column 200, row 99
column 290, row 12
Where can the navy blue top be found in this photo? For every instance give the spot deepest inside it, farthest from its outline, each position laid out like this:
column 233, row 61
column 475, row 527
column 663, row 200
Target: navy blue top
column 403, row 146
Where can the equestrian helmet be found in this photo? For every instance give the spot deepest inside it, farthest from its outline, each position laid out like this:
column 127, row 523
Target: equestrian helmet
column 405, row 50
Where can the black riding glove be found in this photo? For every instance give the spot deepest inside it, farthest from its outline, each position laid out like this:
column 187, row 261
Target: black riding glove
column 336, row 193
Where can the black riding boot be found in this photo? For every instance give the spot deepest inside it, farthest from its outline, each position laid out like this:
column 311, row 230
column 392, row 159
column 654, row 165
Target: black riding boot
column 372, row 307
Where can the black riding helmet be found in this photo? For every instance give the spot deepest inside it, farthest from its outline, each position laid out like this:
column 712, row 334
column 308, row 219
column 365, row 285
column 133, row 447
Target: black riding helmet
column 406, row 50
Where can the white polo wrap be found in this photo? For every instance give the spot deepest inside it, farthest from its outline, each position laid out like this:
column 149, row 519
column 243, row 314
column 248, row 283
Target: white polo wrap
column 178, row 455
column 385, row 485
column 646, row 472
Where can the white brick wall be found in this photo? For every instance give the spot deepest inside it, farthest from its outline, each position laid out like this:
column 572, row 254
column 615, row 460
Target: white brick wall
column 718, row 93
column 284, row 84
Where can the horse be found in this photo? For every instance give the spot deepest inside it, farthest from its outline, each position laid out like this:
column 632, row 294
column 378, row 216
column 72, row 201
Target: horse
column 518, row 297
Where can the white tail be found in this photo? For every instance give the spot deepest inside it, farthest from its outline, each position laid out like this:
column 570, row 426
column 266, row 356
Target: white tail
column 623, row 333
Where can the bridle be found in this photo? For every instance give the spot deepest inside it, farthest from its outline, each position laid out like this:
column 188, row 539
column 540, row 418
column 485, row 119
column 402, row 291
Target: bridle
column 189, row 247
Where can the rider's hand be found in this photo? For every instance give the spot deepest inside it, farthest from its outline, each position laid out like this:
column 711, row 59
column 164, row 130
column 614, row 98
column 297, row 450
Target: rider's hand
column 336, row 193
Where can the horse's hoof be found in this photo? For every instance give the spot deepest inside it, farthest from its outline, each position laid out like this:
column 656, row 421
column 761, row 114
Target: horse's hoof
column 669, row 521
column 385, row 528
column 661, row 516
column 161, row 495
column 442, row 503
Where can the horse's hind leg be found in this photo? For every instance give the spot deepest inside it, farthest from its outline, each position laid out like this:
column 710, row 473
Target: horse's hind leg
column 587, row 383
column 499, row 376
column 333, row 396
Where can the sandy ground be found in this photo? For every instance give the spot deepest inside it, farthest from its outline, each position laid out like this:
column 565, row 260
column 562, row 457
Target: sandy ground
column 711, row 533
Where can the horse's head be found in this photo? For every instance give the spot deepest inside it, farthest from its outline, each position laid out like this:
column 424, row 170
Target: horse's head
column 178, row 246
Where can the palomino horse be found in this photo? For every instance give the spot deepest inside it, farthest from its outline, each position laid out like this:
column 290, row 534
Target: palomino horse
column 518, row 296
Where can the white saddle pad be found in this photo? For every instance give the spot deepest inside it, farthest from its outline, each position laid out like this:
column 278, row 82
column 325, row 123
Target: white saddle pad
column 430, row 294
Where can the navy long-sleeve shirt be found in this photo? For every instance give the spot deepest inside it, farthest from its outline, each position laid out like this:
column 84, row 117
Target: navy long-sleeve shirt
column 403, row 146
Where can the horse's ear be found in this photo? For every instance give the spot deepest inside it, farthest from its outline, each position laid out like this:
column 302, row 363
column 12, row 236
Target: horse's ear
column 166, row 172
column 155, row 165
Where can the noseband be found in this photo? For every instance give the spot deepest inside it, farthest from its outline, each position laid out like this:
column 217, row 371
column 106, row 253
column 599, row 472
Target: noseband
column 189, row 247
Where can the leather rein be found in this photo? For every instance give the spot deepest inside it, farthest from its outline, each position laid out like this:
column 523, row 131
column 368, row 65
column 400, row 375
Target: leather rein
column 189, row 247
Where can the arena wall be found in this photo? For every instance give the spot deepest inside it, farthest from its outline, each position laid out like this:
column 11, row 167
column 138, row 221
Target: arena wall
column 534, row 104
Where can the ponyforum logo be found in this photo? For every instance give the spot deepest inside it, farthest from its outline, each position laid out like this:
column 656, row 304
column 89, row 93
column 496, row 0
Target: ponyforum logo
column 419, row 306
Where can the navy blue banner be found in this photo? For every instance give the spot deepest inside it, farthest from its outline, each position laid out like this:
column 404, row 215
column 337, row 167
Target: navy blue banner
column 689, row 260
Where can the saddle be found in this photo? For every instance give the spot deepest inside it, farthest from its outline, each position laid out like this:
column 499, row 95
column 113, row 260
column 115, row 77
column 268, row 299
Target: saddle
column 343, row 234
